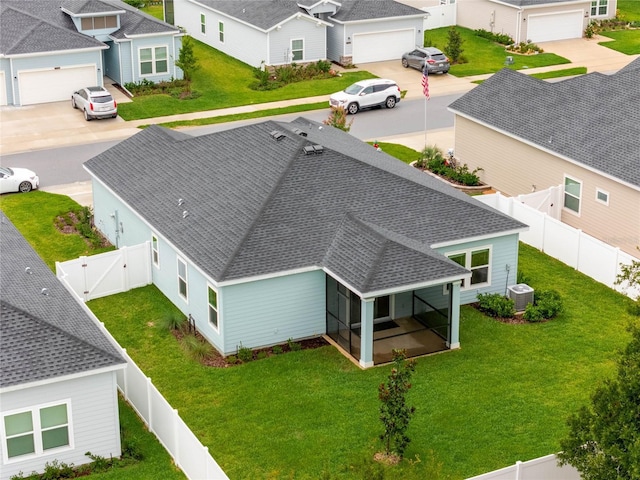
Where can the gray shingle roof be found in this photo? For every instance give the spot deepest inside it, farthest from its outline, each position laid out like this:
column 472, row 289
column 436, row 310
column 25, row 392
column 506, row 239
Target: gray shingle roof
column 593, row 119
column 258, row 206
column 42, row 336
column 38, row 26
column 353, row 10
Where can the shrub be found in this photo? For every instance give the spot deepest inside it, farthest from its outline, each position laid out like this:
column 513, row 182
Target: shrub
column 231, row 359
column 261, row 355
column 198, row 348
column 522, row 277
column 294, row 346
column 496, row 305
column 276, row 349
column 546, row 304
column 453, row 49
column 245, row 354
column 501, row 38
column 525, row 48
column 56, row 470
column 173, row 321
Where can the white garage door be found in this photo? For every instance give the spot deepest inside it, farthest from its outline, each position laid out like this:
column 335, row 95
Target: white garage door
column 555, row 26
column 380, row 46
column 53, row 85
column 3, row 90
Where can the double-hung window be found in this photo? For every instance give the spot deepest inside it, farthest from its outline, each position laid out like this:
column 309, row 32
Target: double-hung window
column 153, row 60
column 182, row 279
column 599, row 7
column 213, row 306
column 572, row 194
column 34, row 431
column 297, row 50
column 478, row 260
column 221, row 32
column 203, row 24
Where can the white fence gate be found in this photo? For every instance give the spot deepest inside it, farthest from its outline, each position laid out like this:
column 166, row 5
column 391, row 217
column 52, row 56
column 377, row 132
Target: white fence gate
column 107, row 273
column 440, row 16
column 572, row 246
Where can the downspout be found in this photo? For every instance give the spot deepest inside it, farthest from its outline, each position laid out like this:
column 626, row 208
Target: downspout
column 13, row 83
column 518, row 25
column 133, row 76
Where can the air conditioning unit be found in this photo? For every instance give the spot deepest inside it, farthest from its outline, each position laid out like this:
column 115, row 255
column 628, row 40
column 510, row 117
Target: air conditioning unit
column 521, row 294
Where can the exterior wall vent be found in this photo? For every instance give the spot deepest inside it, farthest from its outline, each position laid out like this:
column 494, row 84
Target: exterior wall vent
column 521, row 294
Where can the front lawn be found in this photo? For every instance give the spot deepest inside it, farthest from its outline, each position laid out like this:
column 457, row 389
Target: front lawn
column 629, row 10
column 223, row 81
column 484, row 56
column 625, row 41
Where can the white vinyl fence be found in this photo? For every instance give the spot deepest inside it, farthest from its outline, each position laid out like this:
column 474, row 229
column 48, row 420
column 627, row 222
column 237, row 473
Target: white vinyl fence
column 161, row 419
column 571, row 246
column 107, row 273
column 543, row 468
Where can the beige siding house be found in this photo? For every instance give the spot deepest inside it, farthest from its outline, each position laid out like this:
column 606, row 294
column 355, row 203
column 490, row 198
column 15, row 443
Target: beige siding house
column 582, row 134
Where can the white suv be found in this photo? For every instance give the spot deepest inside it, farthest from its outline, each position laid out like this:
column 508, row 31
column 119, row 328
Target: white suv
column 95, row 102
column 376, row 92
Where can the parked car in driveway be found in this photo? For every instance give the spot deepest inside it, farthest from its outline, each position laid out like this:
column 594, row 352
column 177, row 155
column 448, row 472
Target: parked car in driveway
column 376, row 92
column 436, row 61
column 95, row 102
column 17, row 180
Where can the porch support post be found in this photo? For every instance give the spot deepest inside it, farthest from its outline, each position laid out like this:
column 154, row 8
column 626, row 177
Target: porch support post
column 454, row 314
column 366, row 333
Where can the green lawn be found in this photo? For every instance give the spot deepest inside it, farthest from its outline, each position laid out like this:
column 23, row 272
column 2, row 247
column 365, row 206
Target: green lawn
column 484, row 56
column 223, row 81
column 629, row 9
column 625, row 41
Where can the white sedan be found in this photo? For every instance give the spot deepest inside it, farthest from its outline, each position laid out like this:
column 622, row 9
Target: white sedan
column 17, row 180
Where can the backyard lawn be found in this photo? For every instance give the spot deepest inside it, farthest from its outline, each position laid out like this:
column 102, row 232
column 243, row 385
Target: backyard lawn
column 630, row 9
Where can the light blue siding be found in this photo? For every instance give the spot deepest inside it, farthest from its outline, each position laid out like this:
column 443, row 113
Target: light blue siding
column 94, row 420
column 271, row 311
column 112, row 68
column 173, row 50
column 5, row 68
column 504, row 252
column 314, row 38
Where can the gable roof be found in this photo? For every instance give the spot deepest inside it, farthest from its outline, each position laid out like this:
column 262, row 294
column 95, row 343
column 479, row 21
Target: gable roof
column 257, row 206
column 355, row 10
column 592, row 119
column 39, row 26
column 43, row 337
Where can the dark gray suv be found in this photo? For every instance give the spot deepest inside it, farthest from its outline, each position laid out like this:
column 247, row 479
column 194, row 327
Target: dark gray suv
column 436, row 61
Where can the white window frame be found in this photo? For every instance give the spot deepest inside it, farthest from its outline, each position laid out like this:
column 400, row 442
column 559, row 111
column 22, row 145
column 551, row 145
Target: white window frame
column 37, row 432
column 565, row 193
column 468, row 252
column 215, row 308
column 182, row 280
column 221, row 32
column 153, row 60
column 203, row 24
column 297, row 50
column 596, row 5
column 600, row 191
column 155, row 250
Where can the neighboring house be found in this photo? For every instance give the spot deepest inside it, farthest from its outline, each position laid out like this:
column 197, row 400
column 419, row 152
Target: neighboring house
column 49, row 48
column 279, row 231
column 535, row 20
column 58, row 393
column 582, row 133
column 279, row 32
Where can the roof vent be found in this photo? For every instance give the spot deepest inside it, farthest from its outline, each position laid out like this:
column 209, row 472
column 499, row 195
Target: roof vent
column 185, row 214
column 277, row 134
column 28, row 270
column 44, row 291
column 313, row 149
column 297, row 131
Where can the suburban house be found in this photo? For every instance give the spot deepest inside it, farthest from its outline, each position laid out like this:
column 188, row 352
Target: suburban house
column 58, row 393
column 279, row 32
column 535, row 20
column 50, row 48
column 277, row 231
column 582, row 134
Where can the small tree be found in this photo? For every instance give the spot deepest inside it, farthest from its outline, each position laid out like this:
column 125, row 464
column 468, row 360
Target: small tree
column 629, row 277
column 454, row 50
column 187, row 60
column 394, row 411
column 604, row 438
column 338, row 118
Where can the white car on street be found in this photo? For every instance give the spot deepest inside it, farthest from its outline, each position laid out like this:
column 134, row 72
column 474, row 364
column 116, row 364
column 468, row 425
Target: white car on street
column 17, row 180
column 377, row 92
column 95, row 102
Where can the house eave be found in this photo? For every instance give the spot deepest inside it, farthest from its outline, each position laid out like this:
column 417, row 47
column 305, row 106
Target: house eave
column 92, row 14
column 175, row 33
column 479, row 238
column 54, row 52
column 414, row 286
column 376, row 20
column 63, row 378
column 546, row 150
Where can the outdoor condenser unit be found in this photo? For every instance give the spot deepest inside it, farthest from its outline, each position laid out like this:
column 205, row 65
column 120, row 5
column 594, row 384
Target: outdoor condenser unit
column 521, row 294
